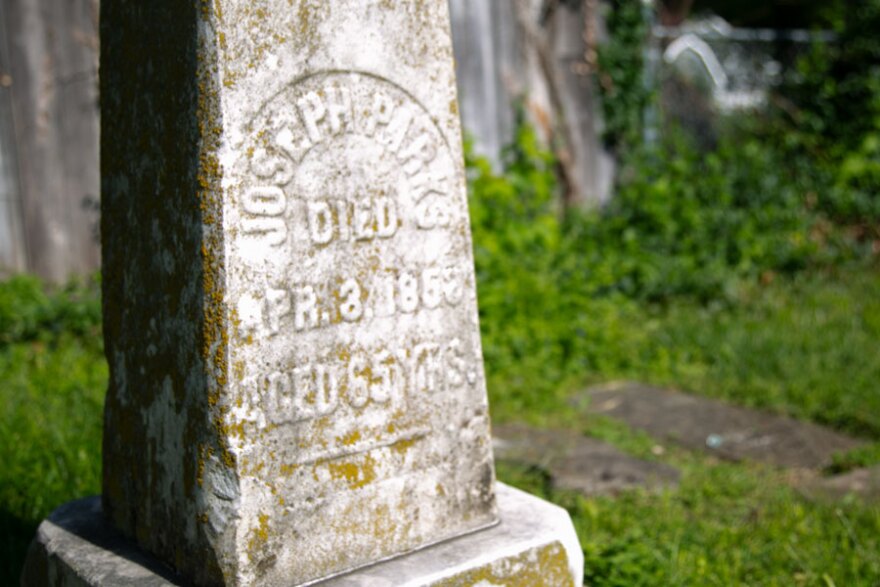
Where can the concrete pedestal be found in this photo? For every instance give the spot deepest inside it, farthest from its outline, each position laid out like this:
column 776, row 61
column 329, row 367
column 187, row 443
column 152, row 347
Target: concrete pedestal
column 534, row 545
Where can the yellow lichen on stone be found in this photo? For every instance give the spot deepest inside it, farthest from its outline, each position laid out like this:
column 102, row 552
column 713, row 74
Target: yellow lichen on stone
column 259, row 537
column 384, row 526
column 343, row 353
column 238, row 370
column 545, row 567
column 402, row 446
column 286, row 469
column 205, row 452
column 355, row 476
column 349, row 439
column 309, row 15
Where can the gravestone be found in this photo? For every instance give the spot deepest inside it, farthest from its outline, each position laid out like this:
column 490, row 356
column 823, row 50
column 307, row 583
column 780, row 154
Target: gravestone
column 296, row 378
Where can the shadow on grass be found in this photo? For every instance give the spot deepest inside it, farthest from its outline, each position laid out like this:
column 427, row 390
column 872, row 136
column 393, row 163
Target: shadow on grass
column 15, row 536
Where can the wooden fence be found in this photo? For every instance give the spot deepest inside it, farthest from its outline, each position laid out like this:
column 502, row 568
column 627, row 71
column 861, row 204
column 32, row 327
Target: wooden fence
column 49, row 127
column 539, row 54
column 49, row 177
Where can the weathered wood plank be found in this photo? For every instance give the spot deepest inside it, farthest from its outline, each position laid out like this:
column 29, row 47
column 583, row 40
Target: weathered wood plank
column 49, row 120
column 497, row 64
column 593, row 163
column 12, row 252
column 52, row 47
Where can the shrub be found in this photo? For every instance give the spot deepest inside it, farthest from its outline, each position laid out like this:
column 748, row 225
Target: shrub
column 556, row 292
column 28, row 312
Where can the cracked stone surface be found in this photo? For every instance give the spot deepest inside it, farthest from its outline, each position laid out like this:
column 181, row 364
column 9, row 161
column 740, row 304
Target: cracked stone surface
column 578, row 463
column 730, row 432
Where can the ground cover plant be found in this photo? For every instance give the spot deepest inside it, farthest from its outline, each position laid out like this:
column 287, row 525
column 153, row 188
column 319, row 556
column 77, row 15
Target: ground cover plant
column 564, row 301
column 53, row 378
column 560, row 292
column 748, row 273
column 716, row 273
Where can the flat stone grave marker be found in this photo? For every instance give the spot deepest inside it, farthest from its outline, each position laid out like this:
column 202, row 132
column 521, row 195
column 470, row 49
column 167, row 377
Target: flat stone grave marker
column 296, row 378
column 578, row 463
column 863, row 483
column 731, row 432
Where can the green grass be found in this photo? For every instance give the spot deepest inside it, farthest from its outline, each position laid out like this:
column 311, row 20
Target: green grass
column 799, row 346
column 725, row 525
column 802, row 346
column 51, row 431
column 805, row 346
column 54, row 377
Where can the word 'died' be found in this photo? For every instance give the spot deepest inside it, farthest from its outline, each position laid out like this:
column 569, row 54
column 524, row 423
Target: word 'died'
column 379, row 378
column 310, row 306
column 360, row 220
column 323, row 111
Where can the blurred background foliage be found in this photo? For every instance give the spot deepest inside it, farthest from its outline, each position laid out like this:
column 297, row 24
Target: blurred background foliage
column 791, row 189
column 746, row 271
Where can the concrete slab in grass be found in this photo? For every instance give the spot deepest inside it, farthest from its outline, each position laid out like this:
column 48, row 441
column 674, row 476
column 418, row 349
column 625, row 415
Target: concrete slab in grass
column 578, row 463
column 863, row 483
column 728, row 431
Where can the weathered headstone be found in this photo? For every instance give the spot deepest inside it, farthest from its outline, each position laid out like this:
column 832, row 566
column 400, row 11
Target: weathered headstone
column 296, row 384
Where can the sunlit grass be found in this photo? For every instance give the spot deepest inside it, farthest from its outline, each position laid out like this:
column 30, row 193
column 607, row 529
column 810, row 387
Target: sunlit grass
column 806, row 347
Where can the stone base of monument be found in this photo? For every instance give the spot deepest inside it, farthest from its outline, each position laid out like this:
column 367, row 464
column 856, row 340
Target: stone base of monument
column 534, row 544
